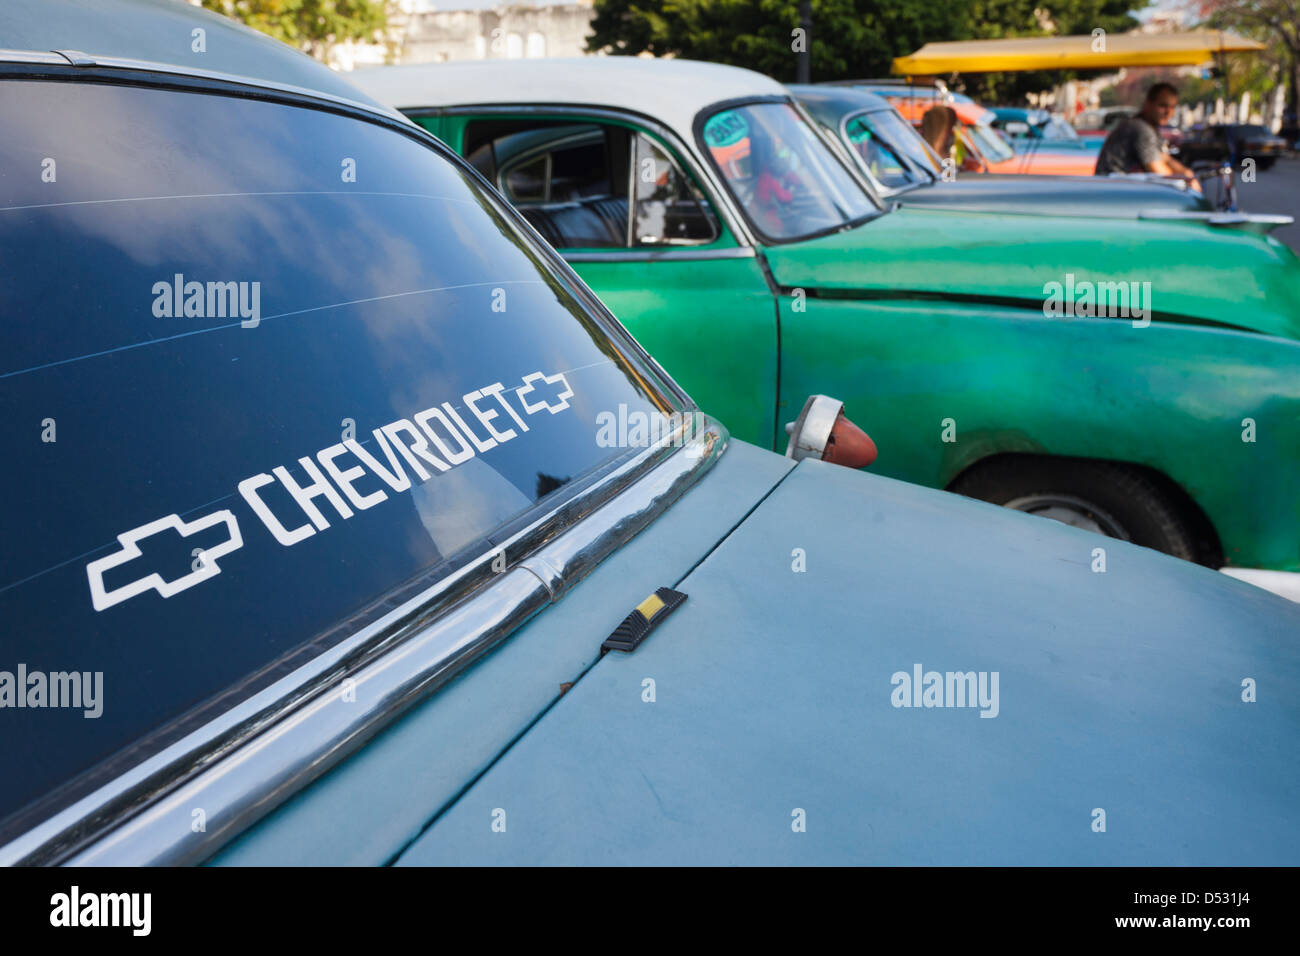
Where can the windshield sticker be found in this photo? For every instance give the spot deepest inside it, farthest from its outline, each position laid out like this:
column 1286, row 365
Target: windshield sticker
column 725, row 129
column 130, row 541
column 431, row 441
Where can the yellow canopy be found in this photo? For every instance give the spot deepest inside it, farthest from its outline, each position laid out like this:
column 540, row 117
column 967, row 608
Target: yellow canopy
column 1072, row 53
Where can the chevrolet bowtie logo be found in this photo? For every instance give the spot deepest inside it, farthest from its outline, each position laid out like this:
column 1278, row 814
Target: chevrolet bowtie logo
column 561, row 391
column 130, row 541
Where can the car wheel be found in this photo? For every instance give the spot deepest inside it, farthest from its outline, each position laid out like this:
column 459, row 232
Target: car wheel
column 1119, row 501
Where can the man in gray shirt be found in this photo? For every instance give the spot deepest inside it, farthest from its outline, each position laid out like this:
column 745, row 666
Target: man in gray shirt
column 1135, row 144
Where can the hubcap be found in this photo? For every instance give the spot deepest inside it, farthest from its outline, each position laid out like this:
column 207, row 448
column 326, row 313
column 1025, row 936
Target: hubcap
column 1075, row 512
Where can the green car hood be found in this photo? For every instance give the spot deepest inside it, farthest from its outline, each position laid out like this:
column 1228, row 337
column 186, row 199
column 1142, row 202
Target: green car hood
column 1198, row 273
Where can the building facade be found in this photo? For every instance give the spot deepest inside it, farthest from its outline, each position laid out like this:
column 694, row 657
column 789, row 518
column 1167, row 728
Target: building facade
column 506, row 32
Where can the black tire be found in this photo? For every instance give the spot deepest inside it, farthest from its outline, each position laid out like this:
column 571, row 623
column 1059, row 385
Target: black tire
column 1125, row 501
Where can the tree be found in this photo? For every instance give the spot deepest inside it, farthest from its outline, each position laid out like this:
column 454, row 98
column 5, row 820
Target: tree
column 1274, row 21
column 851, row 38
column 312, row 26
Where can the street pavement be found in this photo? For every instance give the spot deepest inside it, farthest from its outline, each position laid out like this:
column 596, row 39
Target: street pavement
column 1276, row 190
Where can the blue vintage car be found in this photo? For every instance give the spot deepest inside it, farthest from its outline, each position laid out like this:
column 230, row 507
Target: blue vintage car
column 343, row 524
column 899, row 165
column 1033, row 128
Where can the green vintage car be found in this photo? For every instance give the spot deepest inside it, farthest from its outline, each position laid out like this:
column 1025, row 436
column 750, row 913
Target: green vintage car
column 1139, row 378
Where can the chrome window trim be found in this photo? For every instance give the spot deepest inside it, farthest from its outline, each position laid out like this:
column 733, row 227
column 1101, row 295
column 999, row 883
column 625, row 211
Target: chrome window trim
column 695, row 166
column 207, row 752
column 35, row 56
column 243, row 765
column 629, row 237
column 655, row 254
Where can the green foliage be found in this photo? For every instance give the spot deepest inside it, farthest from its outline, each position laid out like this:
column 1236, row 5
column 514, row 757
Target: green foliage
column 1274, row 22
column 850, row 38
column 309, row 25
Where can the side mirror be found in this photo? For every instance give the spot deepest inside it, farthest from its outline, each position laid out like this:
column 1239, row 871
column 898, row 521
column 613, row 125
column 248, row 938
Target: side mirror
column 821, row 431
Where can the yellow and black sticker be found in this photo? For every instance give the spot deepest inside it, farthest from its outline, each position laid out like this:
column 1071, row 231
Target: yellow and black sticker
column 648, row 615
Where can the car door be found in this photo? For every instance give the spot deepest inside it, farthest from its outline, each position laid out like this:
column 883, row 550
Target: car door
column 617, row 200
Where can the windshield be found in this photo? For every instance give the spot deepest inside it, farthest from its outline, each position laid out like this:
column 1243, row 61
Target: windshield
column 889, row 126
column 881, row 163
column 990, row 143
column 1058, row 129
column 266, row 372
column 783, row 175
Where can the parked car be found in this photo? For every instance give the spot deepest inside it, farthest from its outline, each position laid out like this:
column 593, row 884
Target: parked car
column 1232, row 144
column 401, row 528
column 754, row 265
column 979, row 146
column 899, row 165
column 1042, row 127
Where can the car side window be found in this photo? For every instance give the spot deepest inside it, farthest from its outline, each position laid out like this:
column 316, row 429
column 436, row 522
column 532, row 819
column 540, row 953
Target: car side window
column 967, row 156
column 669, row 209
column 572, row 182
column 582, row 170
column 527, row 182
column 881, row 161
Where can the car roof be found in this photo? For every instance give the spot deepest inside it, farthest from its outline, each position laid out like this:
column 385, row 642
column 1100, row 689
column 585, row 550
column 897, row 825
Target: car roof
column 160, row 31
column 917, row 90
column 671, row 91
column 825, row 100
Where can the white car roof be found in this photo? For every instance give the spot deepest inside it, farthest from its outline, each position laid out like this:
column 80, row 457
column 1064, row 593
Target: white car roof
column 670, row 91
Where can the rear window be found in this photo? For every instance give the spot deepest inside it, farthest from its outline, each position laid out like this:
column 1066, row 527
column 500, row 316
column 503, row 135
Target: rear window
column 265, row 370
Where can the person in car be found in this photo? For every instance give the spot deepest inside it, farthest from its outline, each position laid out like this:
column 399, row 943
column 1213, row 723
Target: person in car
column 938, row 128
column 1135, row 144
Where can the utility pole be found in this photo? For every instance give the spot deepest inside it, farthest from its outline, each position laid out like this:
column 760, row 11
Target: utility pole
column 804, row 74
